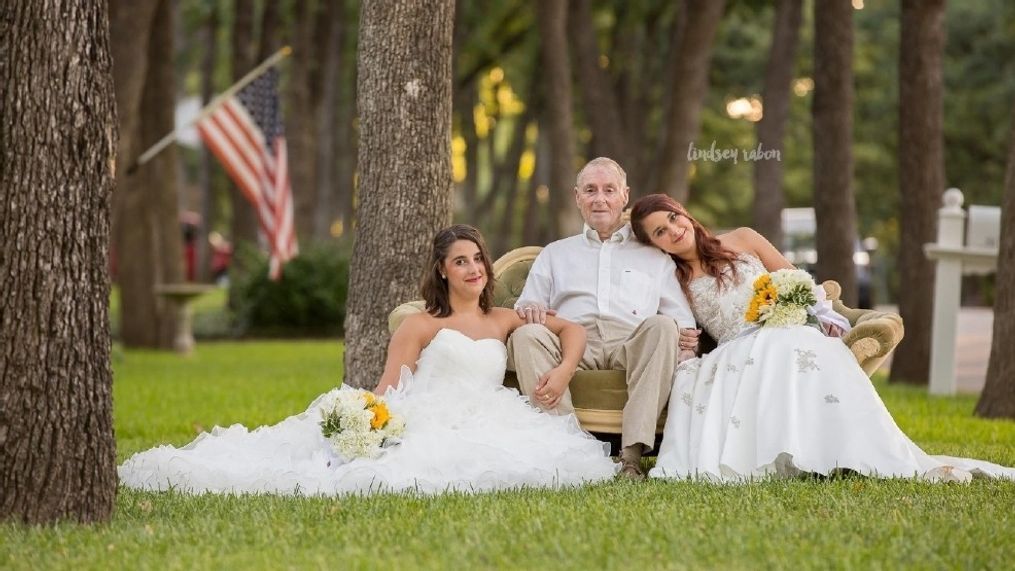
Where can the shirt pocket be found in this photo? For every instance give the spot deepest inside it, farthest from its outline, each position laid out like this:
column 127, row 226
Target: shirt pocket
column 637, row 293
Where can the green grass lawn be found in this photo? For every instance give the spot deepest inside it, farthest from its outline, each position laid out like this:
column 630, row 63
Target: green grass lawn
column 852, row 522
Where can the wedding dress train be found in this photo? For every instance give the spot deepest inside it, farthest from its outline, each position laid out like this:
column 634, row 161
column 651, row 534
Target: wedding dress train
column 783, row 401
column 464, row 431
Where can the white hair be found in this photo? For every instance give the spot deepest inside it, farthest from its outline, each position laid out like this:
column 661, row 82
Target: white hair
column 605, row 162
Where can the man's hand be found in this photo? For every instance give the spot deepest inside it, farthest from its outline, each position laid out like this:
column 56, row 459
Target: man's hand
column 533, row 313
column 551, row 386
column 689, row 339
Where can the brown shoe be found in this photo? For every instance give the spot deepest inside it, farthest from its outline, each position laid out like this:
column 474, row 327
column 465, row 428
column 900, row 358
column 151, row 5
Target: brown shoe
column 631, row 471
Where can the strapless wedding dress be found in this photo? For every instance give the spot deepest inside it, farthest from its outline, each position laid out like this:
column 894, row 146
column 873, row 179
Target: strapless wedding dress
column 464, row 431
column 783, row 401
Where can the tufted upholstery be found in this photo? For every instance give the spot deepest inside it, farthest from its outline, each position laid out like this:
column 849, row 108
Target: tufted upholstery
column 599, row 396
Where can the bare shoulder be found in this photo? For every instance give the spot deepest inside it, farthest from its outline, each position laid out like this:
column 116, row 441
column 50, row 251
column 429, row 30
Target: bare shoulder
column 741, row 239
column 507, row 319
column 419, row 327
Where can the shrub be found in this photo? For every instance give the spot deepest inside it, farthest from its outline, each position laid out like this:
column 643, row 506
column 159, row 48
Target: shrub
column 309, row 298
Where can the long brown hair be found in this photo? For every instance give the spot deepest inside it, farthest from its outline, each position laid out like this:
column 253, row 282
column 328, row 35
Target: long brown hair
column 714, row 257
column 434, row 288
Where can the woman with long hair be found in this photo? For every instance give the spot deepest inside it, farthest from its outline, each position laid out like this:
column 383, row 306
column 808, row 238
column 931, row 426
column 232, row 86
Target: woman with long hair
column 770, row 400
column 443, row 376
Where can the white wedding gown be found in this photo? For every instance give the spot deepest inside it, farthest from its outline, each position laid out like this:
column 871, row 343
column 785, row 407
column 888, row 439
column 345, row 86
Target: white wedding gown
column 464, row 431
column 783, row 401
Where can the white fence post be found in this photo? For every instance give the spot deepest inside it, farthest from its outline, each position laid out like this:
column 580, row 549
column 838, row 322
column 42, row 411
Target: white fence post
column 947, row 294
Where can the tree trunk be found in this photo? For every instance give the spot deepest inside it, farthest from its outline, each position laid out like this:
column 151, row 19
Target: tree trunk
column 130, row 66
column 998, row 397
column 688, row 95
column 347, row 137
column 602, row 112
column 557, row 120
column 832, row 130
column 149, row 237
column 768, row 195
column 404, row 166
column 921, row 178
column 330, row 40
column 209, row 206
column 58, row 135
column 300, row 128
column 244, row 218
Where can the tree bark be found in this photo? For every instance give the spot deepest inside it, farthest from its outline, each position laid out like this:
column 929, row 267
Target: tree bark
column 404, row 166
column 609, row 133
column 557, row 119
column 998, row 397
column 768, row 174
column 300, row 128
column 149, row 237
column 921, row 178
column 832, row 130
column 57, row 156
column 244, row 219
column 130, row 66
column 330, row 39
column 209, row 209
column 346, row 132
column 688, row 95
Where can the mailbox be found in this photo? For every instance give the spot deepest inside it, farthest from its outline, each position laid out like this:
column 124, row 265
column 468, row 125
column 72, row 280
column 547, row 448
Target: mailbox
column 983, row 229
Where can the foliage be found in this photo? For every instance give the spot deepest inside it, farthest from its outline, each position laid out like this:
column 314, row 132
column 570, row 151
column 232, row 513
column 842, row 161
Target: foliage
column 309, row 299
column 853, row 522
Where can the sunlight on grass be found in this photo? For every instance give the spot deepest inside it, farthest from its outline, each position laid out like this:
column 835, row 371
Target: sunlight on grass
column 853, row 522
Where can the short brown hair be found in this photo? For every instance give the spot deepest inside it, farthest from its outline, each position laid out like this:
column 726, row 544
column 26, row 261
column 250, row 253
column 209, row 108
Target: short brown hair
column 434, row 288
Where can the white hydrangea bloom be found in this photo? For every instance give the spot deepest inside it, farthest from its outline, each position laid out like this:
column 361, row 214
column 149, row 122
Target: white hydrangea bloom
column 395, row 426
column 786, row 316
column 787, row 279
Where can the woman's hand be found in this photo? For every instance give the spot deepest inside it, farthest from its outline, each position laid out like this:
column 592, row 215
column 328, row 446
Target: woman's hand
column 552, row 385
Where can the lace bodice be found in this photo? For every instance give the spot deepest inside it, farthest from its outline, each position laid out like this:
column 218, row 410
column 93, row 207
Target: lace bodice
column 721, row 311
column 453, row 357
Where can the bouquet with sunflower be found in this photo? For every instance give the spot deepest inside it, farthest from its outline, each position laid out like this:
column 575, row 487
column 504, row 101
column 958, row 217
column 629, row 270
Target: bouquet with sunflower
column 783, row 298
column 358, row 424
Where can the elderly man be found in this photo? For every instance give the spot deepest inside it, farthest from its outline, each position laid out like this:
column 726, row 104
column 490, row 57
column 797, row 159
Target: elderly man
column 627, row 297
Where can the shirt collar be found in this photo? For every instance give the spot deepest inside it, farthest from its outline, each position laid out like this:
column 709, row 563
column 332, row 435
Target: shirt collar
column 622, row 234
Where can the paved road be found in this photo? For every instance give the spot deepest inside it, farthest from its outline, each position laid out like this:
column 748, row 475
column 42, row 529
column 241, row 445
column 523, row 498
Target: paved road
column 972, row 348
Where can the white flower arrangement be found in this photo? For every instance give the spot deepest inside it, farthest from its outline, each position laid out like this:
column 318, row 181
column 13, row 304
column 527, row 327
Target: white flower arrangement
column 783, row 298
column 358, row 424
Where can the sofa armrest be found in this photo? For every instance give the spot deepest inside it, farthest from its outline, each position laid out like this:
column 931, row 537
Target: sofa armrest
column 398, row 315
column 874, row 334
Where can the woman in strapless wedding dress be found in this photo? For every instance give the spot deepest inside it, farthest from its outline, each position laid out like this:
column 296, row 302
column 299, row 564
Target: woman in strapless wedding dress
column 770, row 401
column 464, row 430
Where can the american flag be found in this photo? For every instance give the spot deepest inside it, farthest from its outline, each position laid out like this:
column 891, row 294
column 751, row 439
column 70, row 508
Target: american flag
column 245, row 132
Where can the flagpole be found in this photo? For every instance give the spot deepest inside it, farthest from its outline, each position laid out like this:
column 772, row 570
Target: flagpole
column 207, row 110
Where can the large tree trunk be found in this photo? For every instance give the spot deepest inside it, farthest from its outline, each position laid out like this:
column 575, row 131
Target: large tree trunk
column 998, row 397
column 57, row 155
column 149, row 237
column 404, row 166
column 832, row 111
column 557, row 119
column 688, row 95
column 602, row 112
column 921, row 177
column 768, row 196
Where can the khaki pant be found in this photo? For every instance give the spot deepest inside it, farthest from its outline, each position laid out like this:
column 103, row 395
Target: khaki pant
column 648, row 354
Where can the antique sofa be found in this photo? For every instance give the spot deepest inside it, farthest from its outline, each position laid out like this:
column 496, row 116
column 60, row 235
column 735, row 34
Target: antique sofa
column 599, row 396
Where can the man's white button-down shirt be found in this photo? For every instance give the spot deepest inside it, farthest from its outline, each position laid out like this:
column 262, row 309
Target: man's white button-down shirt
column 621, row 279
